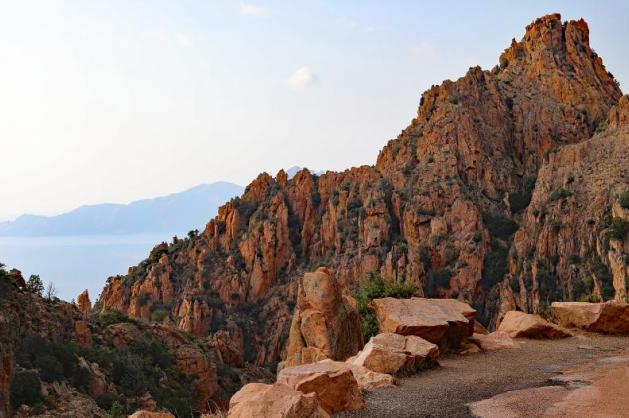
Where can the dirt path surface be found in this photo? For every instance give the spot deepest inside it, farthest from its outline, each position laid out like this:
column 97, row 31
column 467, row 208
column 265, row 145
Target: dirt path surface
column 445, row 391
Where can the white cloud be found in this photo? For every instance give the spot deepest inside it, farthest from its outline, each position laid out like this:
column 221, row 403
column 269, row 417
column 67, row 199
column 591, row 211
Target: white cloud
column 183, row 40
column 253, row 10
column 424, row 51
column 301, row 78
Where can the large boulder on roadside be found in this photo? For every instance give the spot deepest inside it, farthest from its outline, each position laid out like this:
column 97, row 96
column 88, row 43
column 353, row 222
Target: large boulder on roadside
column 497, row 340
column 522, row 325
column 609, row 317
column 396, row 354
column 326, row 323
column 274, row 401
column 445, row 322
column 367, row 379
column 335, row 385
column 151, row 414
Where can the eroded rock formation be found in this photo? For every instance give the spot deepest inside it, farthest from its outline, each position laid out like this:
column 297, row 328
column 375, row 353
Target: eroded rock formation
column 325, row 324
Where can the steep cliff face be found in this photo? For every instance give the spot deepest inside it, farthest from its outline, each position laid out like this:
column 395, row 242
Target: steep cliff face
column 437, row 209
column 574, row 241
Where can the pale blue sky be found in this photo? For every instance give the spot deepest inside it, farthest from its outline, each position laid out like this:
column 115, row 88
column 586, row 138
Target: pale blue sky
column 120, row 100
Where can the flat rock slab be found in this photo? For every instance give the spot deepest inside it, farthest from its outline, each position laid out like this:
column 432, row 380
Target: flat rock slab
column 274, row 401
column 334, row 384
column 445, row 322
column 608, row 318
column 522, row 325
column 498, row 340
column 396, row 354
column 597, row 389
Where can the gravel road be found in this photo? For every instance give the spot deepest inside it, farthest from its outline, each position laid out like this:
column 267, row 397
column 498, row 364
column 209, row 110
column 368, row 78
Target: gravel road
column 445, row 391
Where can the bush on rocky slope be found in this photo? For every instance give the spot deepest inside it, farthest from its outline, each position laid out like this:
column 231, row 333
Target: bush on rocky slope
column 374, row 286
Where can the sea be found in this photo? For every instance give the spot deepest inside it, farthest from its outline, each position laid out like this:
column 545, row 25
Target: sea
column 76, row 263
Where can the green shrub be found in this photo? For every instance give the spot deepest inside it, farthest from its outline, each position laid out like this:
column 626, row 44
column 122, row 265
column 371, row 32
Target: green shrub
column 499, row 226
column 451, row 254
column 111, row 316
column 618, row 228
column 35, row 284
column 574, row 259
column 55, row 361
column 521, row 199
column 424, row 257
column 601, row 271
column 439, row 279
column 6, row 287
column 494, row 266
column 555, row 226
column 25, row 389
column 560, row 194
column 159, row 314
column 374, row 286
column 623, row 199
column 515, row 285
column 116, row 411
column 106, row 401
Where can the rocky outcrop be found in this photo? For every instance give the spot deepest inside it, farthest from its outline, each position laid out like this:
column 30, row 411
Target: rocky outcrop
column 335, row 386
column 326, row 323
column 432, row 211
column 274, row 401
column 445, row 322
column 230, row 350
column 396, row 354
column 194, row 363
column 83, row 302
column 608, row 318
column 522, row 325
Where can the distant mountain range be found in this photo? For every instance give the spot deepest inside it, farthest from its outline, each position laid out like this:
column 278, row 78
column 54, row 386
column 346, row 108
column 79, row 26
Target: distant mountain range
column 175, row 213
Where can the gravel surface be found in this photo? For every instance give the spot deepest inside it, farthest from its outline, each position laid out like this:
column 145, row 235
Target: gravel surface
column 445, row 391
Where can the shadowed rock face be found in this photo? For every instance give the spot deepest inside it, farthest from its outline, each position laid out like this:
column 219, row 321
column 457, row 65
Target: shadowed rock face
column 421, row 213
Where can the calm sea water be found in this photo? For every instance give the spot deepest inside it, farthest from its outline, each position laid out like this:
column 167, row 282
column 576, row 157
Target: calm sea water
column 77, row 263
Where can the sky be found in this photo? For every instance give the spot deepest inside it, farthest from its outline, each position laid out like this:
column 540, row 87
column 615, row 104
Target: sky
column 113, row 101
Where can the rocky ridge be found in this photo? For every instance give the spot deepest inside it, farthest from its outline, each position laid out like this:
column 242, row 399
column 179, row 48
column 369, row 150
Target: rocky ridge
column 438, row 209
